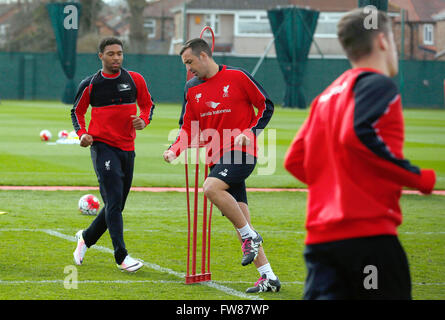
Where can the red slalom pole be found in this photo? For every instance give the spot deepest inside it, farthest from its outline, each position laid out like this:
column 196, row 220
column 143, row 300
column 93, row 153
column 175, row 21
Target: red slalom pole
column 195, row 213
column 204, row 276
column 188, row 214
column 204, row 228
column 210, row 223
column 211, row 32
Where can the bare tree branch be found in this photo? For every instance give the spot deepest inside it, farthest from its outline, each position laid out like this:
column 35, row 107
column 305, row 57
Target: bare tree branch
column 138, row 35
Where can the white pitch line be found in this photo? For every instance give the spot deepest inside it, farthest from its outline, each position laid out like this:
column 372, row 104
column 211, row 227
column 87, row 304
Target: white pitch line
column 416, row 233
column 215, row 231
column 221, row 231
column 12, row 282
column 281, row 231
column 88, row 281
column 128, row 282
column 153, row 266
column 213, row 284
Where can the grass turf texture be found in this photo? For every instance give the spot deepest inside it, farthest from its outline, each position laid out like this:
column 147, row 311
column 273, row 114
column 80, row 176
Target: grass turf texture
column 25, row 160
column 155, row 223
column 33, row 261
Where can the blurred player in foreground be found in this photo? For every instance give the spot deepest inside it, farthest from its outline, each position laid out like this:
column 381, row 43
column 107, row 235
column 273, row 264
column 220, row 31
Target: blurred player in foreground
column 219, row 106
column 349, row 153
column 113, row 93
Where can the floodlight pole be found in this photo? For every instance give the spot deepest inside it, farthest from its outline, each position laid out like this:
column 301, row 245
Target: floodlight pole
column 269, row 46
column 184, row 22
column 402, row 53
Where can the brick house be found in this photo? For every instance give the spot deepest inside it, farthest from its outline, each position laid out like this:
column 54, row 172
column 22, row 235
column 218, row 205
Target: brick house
column 159, row 24
column 424, row 28
column 6, row 13
column 439, row 18
column 242, row 27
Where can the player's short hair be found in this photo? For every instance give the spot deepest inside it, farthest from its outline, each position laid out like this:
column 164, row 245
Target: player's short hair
column 108, row 42
column 356, row 37
column 197, row 45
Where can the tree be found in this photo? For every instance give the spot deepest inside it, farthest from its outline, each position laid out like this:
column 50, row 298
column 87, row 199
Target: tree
column 89, row 36
column 138, row 35
column 90, row 14
column 30, row 28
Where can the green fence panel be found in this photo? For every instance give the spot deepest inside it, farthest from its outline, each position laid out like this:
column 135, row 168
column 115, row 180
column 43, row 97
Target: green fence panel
column 66, row 38
column 39, row 76
column 379, row 4
column 423, row 84
column 293, row 29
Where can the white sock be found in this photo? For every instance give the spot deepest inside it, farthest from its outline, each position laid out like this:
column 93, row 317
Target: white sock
column 246, row 232
column 267, row 270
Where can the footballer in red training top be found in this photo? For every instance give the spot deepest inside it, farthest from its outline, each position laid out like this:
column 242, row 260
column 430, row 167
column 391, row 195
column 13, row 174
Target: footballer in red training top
column 349, row 153
column 114, row 95
column 219, row 112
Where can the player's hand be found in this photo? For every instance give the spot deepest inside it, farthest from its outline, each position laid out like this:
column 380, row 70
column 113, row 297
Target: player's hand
column 138, row 123
column 86, row 140
column 242, row 140
column 169, row 156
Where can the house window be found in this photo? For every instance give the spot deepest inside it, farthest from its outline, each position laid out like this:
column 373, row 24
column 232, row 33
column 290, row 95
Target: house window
column 3, row 33
column 212, row 20
column 252, row 24
column 327, row 24
column 428, row 34
column 150, row 27
column 3, row 29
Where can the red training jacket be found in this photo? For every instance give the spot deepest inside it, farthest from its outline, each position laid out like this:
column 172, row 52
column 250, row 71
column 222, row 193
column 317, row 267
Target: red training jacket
column 113, row 99
column 349, row 153
column 220, row 108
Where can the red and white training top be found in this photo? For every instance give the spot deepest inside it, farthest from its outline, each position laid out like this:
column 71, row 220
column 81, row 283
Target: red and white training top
column 349, row 152
column 113, row 99
column 218, row 109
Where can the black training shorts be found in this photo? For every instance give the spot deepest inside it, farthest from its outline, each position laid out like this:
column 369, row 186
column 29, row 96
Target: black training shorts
column 234, row 168
column 360, row 268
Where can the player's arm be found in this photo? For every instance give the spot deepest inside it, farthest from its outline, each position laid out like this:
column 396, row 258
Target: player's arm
column 378, row 124
column 144, row 101
column 80, row 107
column 261, row 101
column 187, row 132
column 294, row 158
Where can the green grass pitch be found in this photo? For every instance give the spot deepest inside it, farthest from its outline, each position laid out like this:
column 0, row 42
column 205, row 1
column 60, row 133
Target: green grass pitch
column 37, row 231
